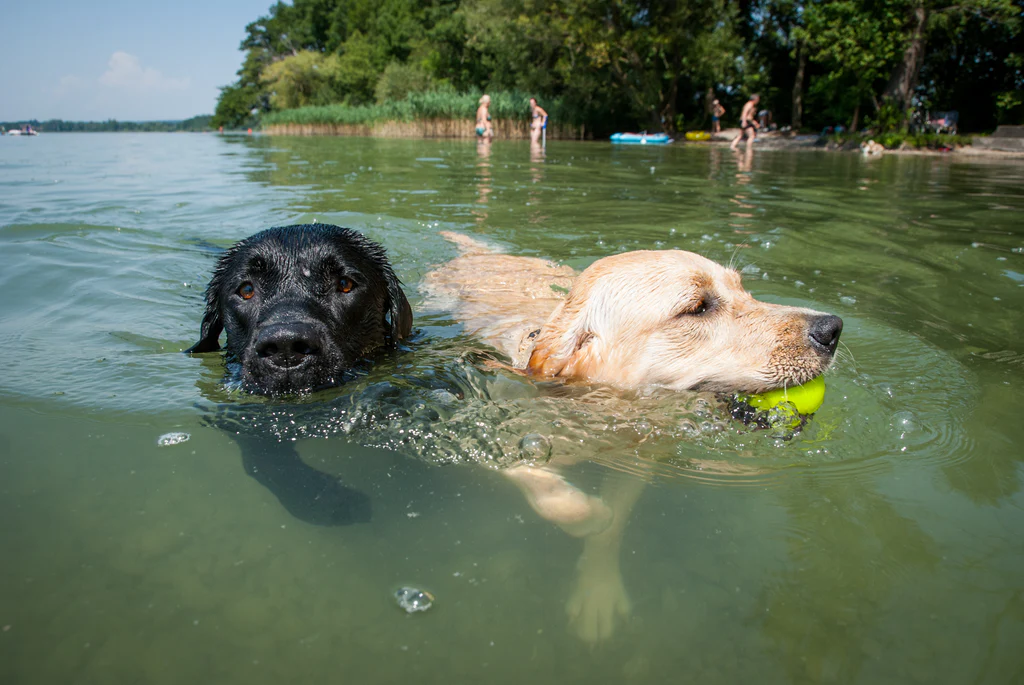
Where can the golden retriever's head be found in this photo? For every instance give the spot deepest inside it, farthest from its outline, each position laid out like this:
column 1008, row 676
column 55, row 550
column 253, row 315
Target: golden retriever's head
column 677, row 320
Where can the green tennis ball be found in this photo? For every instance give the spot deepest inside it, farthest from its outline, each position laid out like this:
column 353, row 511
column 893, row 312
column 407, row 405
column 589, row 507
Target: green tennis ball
column 807, row 398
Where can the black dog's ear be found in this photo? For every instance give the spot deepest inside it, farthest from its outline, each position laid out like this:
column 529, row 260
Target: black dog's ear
column 209, row 334
column 398, row 309
column 213, row 323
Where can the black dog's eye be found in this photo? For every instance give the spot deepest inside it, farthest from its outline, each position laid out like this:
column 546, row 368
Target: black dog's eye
column 345, row 284
column 246, row 291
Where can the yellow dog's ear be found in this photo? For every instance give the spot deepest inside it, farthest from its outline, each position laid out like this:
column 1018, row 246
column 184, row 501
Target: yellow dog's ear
column 563, row 346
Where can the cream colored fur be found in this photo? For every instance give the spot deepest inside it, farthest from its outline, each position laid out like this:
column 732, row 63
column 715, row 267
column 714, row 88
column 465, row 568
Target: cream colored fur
column 671, row 319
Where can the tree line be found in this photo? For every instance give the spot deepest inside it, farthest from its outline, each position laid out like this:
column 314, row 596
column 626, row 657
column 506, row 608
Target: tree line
column 652, row 64
column 197, row 123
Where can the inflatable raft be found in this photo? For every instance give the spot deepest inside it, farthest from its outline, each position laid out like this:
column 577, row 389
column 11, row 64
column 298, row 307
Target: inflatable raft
column 698, row 135
column 641, row 138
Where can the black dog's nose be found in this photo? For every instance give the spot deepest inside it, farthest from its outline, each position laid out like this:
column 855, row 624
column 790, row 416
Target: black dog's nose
column 287, row 345
column 824, row 332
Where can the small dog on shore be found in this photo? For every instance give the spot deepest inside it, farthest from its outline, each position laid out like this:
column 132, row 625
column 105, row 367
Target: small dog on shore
column 872, row 149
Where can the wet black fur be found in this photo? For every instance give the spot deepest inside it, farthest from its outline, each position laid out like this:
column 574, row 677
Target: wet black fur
column 375, row 314
column 295, row 270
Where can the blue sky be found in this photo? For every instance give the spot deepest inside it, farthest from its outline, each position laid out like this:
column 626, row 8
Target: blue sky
column 133, row 61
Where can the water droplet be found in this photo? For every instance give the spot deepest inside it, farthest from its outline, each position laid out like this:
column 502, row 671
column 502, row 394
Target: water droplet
column 846, row 299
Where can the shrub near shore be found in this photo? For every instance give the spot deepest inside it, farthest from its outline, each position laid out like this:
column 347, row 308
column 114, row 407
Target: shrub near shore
column 434, row 113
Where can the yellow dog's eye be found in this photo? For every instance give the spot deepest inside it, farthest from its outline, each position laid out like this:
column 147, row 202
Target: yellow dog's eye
column 697, row 310
column 246, row 291
column 345, row 285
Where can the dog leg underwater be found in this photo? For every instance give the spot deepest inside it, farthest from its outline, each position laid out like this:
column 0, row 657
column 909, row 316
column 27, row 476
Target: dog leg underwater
column 309, row 495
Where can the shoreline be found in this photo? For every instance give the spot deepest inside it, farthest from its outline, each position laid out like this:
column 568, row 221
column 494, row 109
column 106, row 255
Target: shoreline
column 810, row 142
column 459, row 129
column 465, row 129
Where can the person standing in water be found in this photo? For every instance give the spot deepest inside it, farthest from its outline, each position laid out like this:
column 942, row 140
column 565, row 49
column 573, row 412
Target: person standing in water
column 748, row 124
column 483, row 119
column 716, row 116
column 538, row 120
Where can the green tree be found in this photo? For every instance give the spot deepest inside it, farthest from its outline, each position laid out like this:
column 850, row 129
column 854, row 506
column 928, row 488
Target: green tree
column 398, row 80
column 641, row 63
column 930, row 18
column 305, row 78
column 237, row 106
column 858, row 42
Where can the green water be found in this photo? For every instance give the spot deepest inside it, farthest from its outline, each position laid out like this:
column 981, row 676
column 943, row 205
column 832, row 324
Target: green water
column 882, row 545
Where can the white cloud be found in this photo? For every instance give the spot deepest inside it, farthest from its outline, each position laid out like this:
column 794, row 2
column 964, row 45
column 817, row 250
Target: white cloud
column 125, row 71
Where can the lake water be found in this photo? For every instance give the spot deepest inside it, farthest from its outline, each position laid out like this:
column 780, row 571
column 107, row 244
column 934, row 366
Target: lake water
column 883, row 544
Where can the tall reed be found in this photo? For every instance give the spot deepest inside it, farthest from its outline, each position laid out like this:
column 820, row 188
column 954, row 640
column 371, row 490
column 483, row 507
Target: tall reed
column 434, row 104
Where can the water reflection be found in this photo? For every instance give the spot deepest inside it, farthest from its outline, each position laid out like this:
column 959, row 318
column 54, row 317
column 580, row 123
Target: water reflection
column 744, row 163
column 850, row 550
column 538, row 152
column 714, row 162
column 483, row 184
column 992, row 472
column 742, row 209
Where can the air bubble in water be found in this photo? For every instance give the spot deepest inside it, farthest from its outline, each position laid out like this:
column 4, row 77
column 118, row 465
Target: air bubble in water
column 535, row 447
column 413, row 599
column 168, row 439
column 904, row 422
column 689, row 427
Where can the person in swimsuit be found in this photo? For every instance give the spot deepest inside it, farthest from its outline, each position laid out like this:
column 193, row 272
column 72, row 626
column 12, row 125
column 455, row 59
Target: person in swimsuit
column 483, row 118
column 538, row 120
column 748, row 124
column 716, row 116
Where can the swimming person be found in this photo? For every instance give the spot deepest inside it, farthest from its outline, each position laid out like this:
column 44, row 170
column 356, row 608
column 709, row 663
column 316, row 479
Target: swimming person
column 716, row 116
column 748, row 124
column 538, row 120
column 483, row 118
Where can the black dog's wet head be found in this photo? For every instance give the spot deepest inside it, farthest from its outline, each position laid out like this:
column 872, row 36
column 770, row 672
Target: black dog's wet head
column 301, row 304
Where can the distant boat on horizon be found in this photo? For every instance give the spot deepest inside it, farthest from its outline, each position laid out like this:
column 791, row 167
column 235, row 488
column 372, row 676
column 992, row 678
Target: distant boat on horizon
column 25, row 130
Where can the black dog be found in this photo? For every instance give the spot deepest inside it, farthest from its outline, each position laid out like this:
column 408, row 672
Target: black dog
column 300, row 305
